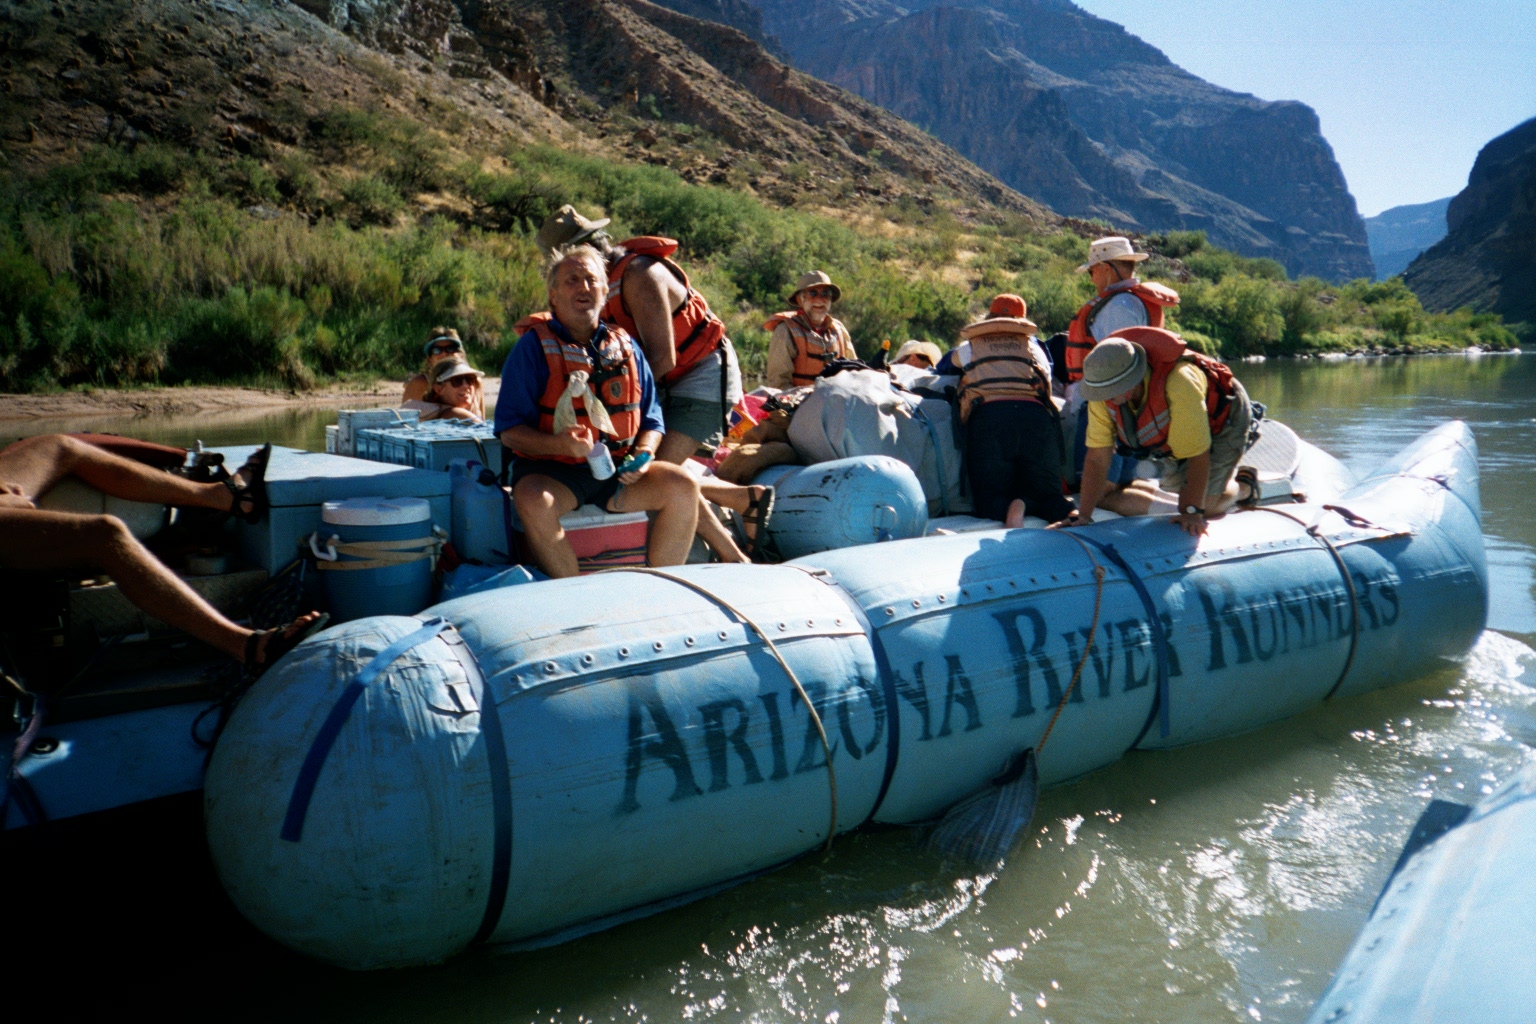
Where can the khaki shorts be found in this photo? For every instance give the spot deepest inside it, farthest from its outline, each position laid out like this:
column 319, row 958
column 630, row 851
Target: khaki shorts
column 1227, row 451
column 692, row 417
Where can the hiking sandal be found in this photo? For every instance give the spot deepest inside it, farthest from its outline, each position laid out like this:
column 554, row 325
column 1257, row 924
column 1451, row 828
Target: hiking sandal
column 253, row 489
column 280, row 640
column 757, row 515
column 1248, row 477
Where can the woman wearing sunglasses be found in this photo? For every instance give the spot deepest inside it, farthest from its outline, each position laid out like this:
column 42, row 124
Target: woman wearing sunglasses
column 442, row 343
column 456, row 393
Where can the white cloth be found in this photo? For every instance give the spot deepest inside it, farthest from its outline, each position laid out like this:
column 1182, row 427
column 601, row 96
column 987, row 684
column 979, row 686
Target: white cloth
column 703, row 381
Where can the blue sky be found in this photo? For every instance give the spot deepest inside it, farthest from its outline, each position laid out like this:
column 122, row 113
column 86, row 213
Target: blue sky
column 1408, row 90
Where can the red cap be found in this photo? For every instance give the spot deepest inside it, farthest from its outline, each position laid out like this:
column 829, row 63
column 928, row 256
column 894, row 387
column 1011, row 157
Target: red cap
column 1008, row 304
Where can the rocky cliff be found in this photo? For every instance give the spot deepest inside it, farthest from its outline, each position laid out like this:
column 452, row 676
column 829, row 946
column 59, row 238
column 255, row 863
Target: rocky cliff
column 1484, row 260
column 1398, row 235
column 1076, row 112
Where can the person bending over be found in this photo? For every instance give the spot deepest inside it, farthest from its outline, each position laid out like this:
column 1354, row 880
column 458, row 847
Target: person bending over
column 686, row 346
column 1152, row 397
column 1012, row 429
column 570, row 355
column 33, row 539
column 456, row 393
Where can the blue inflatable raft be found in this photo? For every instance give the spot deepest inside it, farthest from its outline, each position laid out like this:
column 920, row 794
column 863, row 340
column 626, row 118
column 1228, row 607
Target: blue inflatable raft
column 527, row 764
column 1452, row 936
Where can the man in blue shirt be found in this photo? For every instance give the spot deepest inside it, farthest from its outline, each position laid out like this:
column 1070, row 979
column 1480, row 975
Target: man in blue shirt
column 550, row 475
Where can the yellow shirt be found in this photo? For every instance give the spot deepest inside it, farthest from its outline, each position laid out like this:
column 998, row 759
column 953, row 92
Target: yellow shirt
column 1189, row 430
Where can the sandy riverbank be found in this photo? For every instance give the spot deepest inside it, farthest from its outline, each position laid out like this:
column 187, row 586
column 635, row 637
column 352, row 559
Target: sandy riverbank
column 219, row 402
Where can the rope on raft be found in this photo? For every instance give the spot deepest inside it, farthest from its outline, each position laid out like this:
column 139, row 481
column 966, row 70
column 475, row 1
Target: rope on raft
column 773, row 649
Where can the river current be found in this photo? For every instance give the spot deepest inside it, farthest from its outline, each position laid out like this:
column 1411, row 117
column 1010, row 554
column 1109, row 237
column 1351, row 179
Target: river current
column 1218, row 883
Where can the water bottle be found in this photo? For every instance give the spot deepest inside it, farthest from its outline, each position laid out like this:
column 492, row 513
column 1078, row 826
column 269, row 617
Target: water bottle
column 600, row 461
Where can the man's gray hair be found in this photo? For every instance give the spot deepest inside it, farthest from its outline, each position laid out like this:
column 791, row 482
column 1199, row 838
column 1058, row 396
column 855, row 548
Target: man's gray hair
column 584, row 252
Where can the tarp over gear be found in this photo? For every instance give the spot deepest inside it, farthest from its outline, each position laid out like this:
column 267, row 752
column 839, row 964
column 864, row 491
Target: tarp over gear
column 861, row 412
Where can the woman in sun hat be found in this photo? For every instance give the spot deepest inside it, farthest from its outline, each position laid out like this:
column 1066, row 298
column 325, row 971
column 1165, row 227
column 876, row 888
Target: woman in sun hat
column 807, row 338
column 457, row 393
column 442, row 343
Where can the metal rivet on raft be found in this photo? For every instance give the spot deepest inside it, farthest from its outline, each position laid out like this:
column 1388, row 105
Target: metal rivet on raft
column 1053, row 577
column 550, row 666
column 722, row 634
column 916, row 603
column 656, row 646
column 941, row 599
column 586, row 659
column 838, row 621
column 890, row 611
column 809, row 623
column 623, row 652
column 783, row 627
column 688, row 641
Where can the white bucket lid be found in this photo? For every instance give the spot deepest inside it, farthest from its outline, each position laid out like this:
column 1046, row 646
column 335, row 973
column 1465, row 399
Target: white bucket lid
column 375, row 511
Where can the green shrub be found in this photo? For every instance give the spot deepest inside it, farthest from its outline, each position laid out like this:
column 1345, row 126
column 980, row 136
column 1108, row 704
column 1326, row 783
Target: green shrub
column 373, row 200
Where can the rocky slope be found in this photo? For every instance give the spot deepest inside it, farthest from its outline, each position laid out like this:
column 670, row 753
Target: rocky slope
column 1484, row 260
column 1401, row 233
column 625, row 78
column 1078, row 113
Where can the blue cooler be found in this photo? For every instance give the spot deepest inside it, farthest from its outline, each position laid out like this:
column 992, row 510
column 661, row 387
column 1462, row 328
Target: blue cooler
column 376, row 556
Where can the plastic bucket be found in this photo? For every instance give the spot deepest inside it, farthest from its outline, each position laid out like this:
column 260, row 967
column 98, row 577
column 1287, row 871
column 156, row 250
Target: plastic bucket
column 376, row 556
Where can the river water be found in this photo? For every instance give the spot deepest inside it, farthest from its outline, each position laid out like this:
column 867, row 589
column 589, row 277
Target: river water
column 1219, row 883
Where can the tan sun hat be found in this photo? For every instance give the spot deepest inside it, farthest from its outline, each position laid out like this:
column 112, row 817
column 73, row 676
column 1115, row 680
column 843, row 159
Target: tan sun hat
column 1106, row 250
column 927, row 349
column 1113, row 367
column 812, row 280
column 450, row 368
column 999, row 325
column 566, row 227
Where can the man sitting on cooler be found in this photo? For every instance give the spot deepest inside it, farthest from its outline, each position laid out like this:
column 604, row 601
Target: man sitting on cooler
column 571, row 366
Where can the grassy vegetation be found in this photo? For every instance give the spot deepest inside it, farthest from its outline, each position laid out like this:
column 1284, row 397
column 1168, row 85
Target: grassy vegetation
column 331, row 258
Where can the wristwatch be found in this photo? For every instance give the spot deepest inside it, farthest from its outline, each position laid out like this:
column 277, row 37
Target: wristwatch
column 1194, row 510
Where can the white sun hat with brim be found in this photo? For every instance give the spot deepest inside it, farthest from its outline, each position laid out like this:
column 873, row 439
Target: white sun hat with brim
column 1107, row 250
column 917, row 347
column 1112, row 368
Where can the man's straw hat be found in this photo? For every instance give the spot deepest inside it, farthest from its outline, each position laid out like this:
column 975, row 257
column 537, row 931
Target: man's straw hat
column 566, row 227
column 1105, row 250
column 813, row 279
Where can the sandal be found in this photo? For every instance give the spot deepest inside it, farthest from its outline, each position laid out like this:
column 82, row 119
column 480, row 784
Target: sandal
column 1248, row 477
column 253, row 489
column 280, row 640
column 757, row 515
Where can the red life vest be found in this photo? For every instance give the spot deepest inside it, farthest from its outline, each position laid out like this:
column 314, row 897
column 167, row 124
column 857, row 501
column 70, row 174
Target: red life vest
column 1147, row 436
column 813, row 349
column 696, row 331
column 1079, row 342
column 615, row 381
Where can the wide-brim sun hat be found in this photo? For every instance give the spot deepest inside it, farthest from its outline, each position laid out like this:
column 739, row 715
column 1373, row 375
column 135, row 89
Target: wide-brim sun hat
column 450, row 368
column 1112, row 368
column 1107, row 250
column 917, row 347
column 566, row 227
column 816, row 278
column 999, row 325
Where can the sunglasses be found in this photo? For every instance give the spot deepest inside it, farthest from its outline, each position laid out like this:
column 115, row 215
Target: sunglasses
column 818, row 293
column 463, row 380
column 446, row 346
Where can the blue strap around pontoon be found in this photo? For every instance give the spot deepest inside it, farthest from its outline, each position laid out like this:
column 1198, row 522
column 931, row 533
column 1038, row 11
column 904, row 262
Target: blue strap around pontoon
column 1159, row 638
column 887, row 687
column 309, row 772
column 501, row 795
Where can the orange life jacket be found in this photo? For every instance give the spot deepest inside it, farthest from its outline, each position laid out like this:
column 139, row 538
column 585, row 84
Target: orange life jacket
column 1079, row 341
column 696, row 331
column 615, row 381
column 813, row 349
column 1147, row 435
column 1002, row 368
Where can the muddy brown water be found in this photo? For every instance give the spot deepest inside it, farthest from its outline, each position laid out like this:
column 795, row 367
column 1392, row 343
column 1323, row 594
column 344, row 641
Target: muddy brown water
column 1219, row 883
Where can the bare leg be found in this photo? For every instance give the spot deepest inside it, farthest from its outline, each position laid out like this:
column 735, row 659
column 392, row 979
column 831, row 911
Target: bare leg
column 36, row 464
column 675, row 448
column 1015, row 518
column 673, row 495
column 541, row 501
column 33, row 539
column 1224, row 501
column 1141, row 498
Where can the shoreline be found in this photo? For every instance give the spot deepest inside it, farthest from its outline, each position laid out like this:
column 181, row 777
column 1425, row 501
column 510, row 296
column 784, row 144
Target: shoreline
column 222, row 401
column 212, row 400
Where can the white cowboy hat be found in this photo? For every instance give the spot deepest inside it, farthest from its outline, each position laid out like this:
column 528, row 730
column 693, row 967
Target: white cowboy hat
column 1115, row 247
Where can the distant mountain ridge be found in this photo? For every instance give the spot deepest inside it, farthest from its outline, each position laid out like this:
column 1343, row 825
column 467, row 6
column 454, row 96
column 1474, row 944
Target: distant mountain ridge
column 1401, row 233
column 1078, row 113
column 1484, row 260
